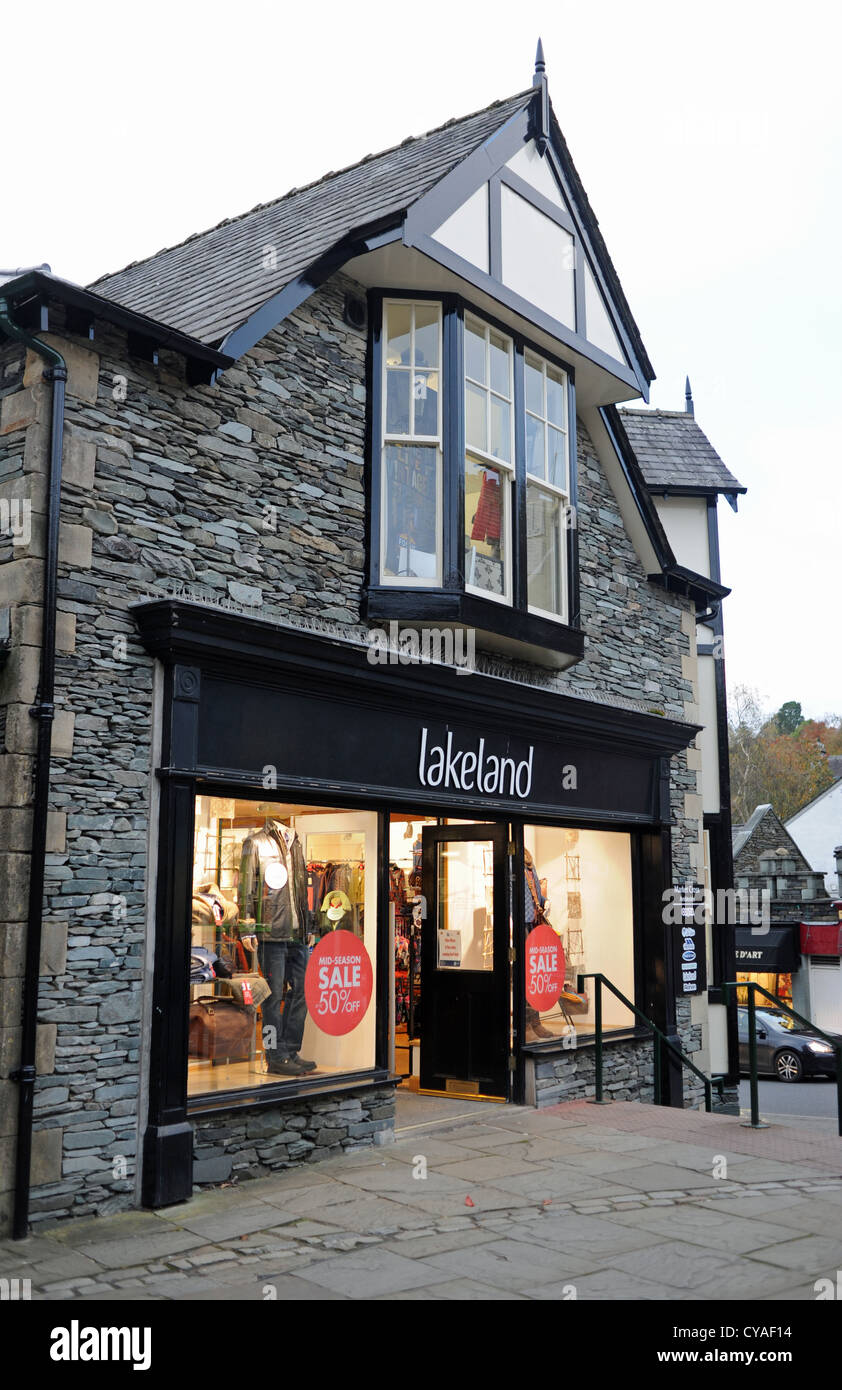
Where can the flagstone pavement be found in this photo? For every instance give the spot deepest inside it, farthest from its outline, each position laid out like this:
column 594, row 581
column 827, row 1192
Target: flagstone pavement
column 625, row 1201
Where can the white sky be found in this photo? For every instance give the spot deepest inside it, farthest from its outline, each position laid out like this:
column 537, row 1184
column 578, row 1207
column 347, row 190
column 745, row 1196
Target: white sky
column 707, row 137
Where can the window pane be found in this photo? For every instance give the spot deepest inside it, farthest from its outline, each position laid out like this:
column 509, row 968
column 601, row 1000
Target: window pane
column 535, row 446
column 475, row 426
column 474, row 353
column 425, row 391
column 399, row 319
column 486, row 528
column 543, row 550
column 426, row 335
column 397, row 402
column 465, row 926
column 409, row 512
column 499, row 361
column 501, row 429
column 557, row 448
column 276, row 929
column 555, row 397
column 534, row 388
column 585, row 878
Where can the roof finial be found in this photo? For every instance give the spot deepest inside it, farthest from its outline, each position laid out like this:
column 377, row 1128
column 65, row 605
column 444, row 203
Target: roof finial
column 540, row 64
column 541, row 102
column 688, row 398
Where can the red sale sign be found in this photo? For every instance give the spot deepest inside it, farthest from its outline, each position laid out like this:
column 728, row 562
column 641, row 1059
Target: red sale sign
column 544, row 967
column 338, row 983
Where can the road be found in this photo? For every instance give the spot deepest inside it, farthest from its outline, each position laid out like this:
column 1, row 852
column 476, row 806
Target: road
column 796, row 1098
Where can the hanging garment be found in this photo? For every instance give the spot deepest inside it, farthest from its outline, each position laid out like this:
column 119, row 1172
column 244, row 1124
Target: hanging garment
column 486, row 526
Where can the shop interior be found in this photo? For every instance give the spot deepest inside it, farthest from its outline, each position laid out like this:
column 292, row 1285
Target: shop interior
column 322, row 858
column 252, row 857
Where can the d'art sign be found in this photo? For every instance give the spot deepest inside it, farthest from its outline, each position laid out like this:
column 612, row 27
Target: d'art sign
column 473, row 769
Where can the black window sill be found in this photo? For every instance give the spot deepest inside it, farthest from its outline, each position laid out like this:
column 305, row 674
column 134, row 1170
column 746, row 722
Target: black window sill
column 258, row 1097
column 500, row 628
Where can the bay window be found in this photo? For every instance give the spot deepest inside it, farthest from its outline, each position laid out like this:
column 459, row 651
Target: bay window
column 411, row 471
column 474, row 485
column 489, row 460
column 548, row 509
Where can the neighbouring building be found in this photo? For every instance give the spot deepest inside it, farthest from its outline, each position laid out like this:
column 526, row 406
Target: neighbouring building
column 795, row 952
column 357, row 694
column 817, row 830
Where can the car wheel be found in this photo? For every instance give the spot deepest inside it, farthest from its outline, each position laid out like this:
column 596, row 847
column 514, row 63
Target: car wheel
column 788, row 1066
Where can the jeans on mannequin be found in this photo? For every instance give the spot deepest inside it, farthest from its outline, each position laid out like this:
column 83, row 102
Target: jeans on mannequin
column 282, row 962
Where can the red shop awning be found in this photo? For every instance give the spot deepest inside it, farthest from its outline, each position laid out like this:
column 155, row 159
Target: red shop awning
column 821, row 938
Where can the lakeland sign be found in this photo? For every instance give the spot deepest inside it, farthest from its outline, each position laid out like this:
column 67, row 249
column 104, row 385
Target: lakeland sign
column 469, row 769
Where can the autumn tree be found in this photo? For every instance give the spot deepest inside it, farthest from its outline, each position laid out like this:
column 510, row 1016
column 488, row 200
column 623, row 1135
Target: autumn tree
column 781, row 760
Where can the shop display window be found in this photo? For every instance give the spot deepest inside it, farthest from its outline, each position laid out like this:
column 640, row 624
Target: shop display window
column 283, row 960
column 579, row 920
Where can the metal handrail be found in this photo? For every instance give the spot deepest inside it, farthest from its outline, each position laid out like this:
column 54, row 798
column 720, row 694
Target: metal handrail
column 657, row 1036
column 753, row 988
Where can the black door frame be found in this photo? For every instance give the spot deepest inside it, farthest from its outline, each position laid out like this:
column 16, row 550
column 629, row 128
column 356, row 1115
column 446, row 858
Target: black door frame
column 499, row 982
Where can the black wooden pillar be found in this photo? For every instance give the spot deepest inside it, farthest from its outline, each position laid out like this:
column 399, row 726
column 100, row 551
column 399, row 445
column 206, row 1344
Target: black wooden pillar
column 168, row 1138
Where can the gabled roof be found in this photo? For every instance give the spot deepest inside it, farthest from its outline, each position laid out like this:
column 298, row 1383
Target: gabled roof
column 741, row 837
column 674, row 454
column 741, row 834
column 214, row 281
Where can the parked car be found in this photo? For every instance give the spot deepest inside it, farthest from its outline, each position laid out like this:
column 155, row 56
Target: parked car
column 788, row 1050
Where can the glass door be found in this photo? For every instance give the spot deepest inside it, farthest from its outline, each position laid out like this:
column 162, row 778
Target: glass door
column 465, row 961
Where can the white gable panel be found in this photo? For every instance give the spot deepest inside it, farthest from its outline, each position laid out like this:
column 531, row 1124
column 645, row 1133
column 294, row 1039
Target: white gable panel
column 538, row 258
column 599, row 330
column 532, row 167
column 466, row 230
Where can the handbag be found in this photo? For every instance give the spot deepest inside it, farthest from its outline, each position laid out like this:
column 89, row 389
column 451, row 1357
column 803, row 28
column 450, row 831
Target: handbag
column 572, row 1002
column 219, row 1030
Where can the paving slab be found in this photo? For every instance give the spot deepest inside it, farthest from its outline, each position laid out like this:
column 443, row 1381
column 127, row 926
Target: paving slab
column 456, row 1290
column 820, row 1254
column 368, row 1273
column 715, row 1230
column 514, row 1264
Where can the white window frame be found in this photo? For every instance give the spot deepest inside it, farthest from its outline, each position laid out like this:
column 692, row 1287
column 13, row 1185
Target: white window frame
column 506, row 468
column 409, row 440
column 542, row 484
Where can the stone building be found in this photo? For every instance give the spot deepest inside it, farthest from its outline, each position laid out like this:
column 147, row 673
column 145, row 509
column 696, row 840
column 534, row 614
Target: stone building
column 795, row 951
column 351, row 686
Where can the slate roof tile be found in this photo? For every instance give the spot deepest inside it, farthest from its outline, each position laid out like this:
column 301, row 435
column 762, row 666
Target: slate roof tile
column 210, row 283
column 674, row 452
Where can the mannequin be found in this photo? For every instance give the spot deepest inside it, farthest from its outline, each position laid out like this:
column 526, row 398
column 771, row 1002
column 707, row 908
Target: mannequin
column 273, row 904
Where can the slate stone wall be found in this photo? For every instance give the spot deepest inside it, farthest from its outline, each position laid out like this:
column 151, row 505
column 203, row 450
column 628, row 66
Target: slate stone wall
column 247, row 492
column 233, row 1145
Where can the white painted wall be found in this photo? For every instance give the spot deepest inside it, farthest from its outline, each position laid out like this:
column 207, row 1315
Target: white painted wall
column 706, row 741
column 466, row 230
column 685, row 520
column 817, row 830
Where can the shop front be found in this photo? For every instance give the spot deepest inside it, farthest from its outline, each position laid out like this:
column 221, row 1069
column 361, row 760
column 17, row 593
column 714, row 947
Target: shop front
column 380, row 876
column 769, row 957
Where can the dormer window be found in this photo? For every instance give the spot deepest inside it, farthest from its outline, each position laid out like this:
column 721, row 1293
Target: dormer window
column 473, row 478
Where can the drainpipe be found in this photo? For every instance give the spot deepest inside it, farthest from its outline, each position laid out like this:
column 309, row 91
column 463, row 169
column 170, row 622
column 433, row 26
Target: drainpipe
column 43, row 711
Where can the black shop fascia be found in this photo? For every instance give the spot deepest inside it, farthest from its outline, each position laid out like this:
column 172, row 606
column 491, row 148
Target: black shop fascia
column 482, row 776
